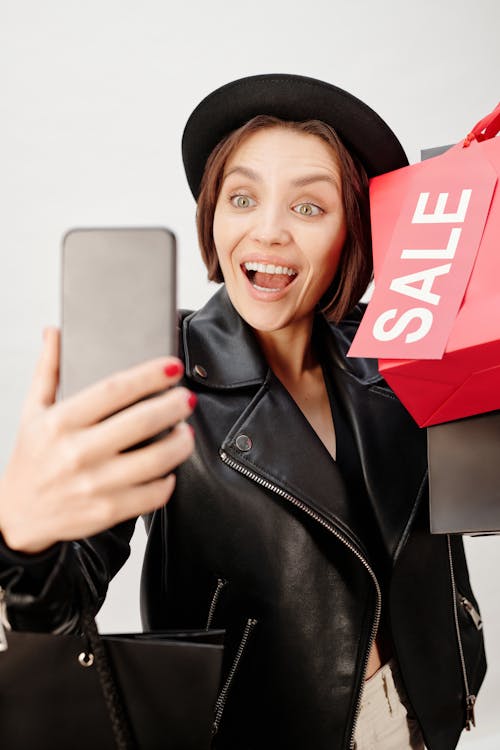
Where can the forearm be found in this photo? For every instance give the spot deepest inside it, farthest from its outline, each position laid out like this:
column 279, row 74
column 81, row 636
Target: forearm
column 71, row 476
column 45, row 592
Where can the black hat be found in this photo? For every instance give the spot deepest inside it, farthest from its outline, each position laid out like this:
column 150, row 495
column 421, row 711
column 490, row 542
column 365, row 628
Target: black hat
column 289, row 97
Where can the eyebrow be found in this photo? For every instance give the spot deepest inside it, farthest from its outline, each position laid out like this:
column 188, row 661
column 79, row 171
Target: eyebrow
column 309, row 179
column 299, row 182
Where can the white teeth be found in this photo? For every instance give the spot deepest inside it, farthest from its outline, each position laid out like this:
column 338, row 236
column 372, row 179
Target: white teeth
column 269, row 268
column 264, row 288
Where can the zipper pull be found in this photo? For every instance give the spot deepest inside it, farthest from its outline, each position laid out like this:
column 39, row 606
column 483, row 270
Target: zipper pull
column 472, row 612
column 470, row 720
column 4, row 622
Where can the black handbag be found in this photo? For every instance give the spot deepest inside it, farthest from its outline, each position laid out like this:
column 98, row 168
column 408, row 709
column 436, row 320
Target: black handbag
column 144, row 691
column 464, row 475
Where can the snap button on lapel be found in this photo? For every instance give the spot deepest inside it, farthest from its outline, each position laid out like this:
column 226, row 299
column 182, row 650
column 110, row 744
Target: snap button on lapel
column 200, row 371
column 243, row 443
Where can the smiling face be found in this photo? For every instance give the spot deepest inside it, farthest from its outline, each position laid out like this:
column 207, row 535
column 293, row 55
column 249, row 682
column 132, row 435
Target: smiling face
column 279, row 226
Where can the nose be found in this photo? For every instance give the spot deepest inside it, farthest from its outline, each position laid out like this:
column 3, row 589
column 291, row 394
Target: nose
column 270, row 226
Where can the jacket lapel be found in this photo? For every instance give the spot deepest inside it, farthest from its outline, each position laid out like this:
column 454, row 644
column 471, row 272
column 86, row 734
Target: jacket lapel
column 274, row 441
column 219, row 342
column 392, row 450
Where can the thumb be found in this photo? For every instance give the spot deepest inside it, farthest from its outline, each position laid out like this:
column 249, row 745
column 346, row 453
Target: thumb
column 42, row 392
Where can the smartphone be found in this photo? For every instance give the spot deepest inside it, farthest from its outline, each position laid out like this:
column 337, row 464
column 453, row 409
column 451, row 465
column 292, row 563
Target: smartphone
column 118, row 302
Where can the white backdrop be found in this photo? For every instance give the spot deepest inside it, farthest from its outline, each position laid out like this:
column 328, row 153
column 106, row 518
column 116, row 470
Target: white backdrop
column 93, row 99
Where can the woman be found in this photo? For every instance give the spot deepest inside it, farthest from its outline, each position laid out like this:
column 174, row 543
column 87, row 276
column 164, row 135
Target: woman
column 300, row 522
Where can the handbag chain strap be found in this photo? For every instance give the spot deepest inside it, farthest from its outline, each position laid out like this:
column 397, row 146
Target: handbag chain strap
column 117, row 713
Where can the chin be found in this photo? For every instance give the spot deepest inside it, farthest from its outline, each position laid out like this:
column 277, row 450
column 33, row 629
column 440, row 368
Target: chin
column 269, row 323
column 264, row 316
column 263, row 321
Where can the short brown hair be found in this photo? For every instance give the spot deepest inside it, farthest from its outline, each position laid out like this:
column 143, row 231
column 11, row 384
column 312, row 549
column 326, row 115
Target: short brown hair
column 355, row 266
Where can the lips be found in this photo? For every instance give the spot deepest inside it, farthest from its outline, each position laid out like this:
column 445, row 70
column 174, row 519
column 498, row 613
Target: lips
column 268, row 277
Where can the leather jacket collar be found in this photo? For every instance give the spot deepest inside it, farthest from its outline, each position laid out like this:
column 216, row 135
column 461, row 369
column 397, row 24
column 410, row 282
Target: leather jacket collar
column 219, row 340
column 221, row 353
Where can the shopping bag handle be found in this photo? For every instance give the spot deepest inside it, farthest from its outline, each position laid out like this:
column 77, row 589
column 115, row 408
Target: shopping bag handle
column 486, row 128
column 117, row 712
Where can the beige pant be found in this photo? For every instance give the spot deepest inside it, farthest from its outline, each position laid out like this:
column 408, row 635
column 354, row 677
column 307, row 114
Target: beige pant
column 385, row 721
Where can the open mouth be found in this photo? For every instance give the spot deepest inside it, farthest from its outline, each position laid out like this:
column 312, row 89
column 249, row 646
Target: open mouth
column 267, row 277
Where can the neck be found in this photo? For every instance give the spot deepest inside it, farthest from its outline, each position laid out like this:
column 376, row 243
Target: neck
column 289, row 351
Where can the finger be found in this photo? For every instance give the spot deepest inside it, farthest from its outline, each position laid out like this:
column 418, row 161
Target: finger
column 42, row 392
column 141, row 465
column 107, row 511
column 121, row 389
column 138, row 501
column 133, row 425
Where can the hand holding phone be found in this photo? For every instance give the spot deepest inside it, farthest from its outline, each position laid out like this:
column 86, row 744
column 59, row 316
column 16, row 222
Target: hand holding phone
column 69, row 476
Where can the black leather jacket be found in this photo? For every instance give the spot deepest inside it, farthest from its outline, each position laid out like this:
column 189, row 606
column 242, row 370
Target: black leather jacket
column 264, row 538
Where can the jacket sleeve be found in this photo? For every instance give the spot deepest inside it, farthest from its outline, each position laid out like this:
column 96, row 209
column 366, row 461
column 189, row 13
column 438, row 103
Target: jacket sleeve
column 45, row 592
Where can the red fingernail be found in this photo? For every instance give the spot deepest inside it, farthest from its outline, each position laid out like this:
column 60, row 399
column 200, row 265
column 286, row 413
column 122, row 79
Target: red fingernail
column 175, row 368
column 192, row 400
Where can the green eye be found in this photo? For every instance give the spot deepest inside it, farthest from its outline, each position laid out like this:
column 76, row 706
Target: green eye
column 241, row 201
column 307, row 209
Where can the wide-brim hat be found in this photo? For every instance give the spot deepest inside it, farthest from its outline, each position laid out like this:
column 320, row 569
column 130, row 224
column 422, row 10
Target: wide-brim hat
column 289, row 97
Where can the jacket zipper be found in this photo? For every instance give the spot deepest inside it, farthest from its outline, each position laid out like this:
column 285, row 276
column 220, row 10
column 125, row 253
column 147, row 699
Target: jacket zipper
column 220, row 585
column 4, row 620
column 470, row 699
column 221, row 700
column 297, row 503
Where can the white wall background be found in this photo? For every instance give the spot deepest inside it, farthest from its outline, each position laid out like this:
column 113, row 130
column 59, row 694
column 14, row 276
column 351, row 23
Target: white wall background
column 93, row 99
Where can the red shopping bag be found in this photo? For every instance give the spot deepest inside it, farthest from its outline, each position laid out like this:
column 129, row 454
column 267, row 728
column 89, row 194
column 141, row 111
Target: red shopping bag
column 434, row 318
